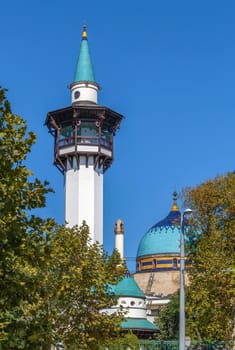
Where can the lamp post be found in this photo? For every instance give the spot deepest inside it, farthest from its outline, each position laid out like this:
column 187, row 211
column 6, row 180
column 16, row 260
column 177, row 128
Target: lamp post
column 182, row 297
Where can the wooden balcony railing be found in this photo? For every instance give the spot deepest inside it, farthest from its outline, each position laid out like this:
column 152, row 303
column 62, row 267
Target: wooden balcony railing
column 85, row 140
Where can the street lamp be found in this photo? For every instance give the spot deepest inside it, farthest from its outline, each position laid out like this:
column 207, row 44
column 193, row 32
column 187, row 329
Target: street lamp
column 182, row 297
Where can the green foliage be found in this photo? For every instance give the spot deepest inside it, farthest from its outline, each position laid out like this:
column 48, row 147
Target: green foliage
column 78, row 289
column 168, row 319
column 20, row 255
column 127, row 342
column 54, row 282
column 211, row 299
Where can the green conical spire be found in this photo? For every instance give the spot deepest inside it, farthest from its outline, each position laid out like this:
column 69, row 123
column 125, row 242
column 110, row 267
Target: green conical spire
column 84, row 70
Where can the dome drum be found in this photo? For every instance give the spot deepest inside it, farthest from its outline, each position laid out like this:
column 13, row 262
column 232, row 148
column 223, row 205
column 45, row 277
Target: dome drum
column 163, row 262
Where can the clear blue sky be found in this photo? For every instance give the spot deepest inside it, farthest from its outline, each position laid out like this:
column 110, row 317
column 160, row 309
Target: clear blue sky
column 168, row 66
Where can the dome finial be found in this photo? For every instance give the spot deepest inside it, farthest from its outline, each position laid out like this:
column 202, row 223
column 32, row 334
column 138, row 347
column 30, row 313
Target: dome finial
column 84, row 33
column 175, row 206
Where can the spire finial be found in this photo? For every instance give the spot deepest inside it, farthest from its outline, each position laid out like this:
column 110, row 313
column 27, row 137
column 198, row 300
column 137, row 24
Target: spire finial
column 175, row 206
column 84, row 33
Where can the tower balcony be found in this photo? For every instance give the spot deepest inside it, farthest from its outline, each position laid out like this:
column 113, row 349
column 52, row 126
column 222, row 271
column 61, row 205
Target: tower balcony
column 83, row 131
column 84, row 144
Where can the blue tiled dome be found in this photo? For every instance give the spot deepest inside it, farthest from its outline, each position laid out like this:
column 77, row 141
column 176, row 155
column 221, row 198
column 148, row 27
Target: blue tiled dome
column 163, row 237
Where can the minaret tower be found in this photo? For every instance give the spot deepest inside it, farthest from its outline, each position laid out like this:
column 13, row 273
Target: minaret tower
column 119, row 238
column 83, row 146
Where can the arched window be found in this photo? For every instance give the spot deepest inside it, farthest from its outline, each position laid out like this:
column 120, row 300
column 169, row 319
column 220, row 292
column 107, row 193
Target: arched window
column 154, row 264
column 174, row 263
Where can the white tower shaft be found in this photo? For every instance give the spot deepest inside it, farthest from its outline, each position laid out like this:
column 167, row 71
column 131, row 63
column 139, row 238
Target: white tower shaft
column 84, row 197
column 119, row 244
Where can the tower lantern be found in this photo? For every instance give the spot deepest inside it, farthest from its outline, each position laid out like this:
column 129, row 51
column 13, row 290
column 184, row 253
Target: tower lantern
column 83, row 146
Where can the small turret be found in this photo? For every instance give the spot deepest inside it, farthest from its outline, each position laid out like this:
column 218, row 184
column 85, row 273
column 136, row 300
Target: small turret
column 119, row 238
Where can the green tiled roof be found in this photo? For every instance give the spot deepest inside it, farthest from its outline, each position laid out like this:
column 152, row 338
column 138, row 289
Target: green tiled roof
column 128, row 287
column 134, row 323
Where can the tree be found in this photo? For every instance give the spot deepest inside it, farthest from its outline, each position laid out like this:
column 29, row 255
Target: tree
column 168, row 319
column 21, row 233
column 211, row 247
column 54, row 282
column 78, row 288
column 127, row 341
